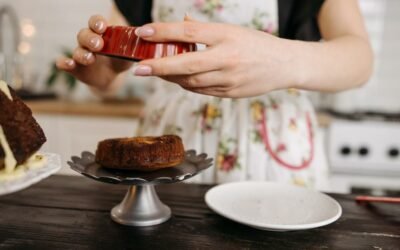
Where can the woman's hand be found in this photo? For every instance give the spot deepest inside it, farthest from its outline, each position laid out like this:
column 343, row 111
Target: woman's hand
column 95, row 70
column 238, row 62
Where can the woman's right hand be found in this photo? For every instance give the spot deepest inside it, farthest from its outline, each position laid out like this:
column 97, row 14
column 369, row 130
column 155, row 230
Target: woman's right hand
column 93, row 69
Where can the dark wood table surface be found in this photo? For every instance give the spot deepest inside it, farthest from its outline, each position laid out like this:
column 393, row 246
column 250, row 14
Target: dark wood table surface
column 65, row 212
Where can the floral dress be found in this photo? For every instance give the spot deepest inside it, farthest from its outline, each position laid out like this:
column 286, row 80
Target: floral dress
column 270, row 137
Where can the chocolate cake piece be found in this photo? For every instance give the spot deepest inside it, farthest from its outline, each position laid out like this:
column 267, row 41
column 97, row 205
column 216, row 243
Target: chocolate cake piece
column 22, row 132
column 141, row 153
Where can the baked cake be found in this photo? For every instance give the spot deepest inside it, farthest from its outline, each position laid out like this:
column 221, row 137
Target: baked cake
column 141, row 153
column 20, row 135
column 122, row 42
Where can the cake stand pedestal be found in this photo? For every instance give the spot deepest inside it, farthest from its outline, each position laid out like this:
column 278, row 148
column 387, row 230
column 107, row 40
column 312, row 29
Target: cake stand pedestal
column 141, row 205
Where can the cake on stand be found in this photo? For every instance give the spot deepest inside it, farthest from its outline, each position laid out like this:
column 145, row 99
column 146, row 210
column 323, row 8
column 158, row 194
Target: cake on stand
column 141, row 205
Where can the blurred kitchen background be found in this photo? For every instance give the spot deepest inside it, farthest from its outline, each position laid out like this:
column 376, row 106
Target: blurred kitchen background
column 361, row 127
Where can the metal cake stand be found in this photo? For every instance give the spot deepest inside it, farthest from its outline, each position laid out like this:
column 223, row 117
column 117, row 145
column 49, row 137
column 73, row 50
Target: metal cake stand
column 141, row 205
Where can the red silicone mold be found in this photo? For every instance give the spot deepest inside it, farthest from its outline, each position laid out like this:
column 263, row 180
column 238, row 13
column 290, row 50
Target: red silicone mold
column 121, row 42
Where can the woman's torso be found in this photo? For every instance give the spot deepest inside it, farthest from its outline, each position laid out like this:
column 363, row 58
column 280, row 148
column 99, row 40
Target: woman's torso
column 270, row 137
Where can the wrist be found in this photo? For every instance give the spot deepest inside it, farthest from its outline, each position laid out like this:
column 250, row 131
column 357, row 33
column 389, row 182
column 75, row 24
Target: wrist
column 286, row 60
column 299, row 67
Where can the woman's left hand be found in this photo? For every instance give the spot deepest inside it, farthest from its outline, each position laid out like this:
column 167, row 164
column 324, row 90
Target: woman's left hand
column 238, row 62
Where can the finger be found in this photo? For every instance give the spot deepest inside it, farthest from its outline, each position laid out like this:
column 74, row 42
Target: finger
column 206, row 91
column 69, row 65
column 97, row 24
column 83, row 56
column 65, row 63
column 217, row 92
column 187, row 31
column 212, row 79
column 80, row 72
column 188, row 18
column 183, row 64
column 90, row 40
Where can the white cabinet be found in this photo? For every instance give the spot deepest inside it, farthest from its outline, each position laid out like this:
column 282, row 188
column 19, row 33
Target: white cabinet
column 70, row 135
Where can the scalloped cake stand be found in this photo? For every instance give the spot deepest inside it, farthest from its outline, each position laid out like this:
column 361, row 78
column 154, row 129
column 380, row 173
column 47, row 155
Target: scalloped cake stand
column 141, row 205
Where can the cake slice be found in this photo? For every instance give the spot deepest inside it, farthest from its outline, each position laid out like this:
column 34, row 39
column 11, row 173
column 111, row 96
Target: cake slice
column 20, row 135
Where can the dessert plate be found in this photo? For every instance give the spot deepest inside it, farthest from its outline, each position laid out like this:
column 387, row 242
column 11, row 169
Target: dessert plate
column 272, row 206
column 32, row 176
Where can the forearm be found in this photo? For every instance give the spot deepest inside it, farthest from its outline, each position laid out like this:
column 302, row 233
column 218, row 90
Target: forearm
column 339, row 64
column 345, row 59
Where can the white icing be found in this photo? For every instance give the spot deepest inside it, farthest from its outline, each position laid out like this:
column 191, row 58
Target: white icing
column 4, row 88
column 9, row 160
column 34, row 162
column 16, row 174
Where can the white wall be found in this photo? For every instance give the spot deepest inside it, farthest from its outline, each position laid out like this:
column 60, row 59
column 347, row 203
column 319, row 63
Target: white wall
column 382, row 92
column 69, row 136
column 57, row 23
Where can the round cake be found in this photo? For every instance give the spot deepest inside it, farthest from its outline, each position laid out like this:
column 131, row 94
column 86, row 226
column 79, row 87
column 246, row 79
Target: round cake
column 141, row 153
column 122, row 42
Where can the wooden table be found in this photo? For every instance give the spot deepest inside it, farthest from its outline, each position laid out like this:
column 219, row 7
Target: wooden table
column 73, row 213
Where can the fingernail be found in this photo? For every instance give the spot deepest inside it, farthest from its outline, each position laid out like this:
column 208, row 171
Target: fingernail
column 187, row 17
column 99, row 25
column 69, row 62
column 88, row 56
column 95, row 42
column 144, row 31
column 142, row 70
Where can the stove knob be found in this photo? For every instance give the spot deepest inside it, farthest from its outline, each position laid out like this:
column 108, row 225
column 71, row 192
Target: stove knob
column 345, row 150
column 363, row 151
column 393, row 153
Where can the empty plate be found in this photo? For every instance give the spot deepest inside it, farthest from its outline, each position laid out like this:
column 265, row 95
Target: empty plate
column 273, row 206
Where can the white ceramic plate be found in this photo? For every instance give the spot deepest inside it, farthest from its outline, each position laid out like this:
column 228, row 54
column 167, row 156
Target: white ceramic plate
column 272, row 206
column 32, row 176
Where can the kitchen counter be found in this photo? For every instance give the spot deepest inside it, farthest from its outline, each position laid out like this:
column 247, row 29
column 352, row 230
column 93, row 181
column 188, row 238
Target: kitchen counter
column 73, row 213
column 129, row 109
column 132, row 109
